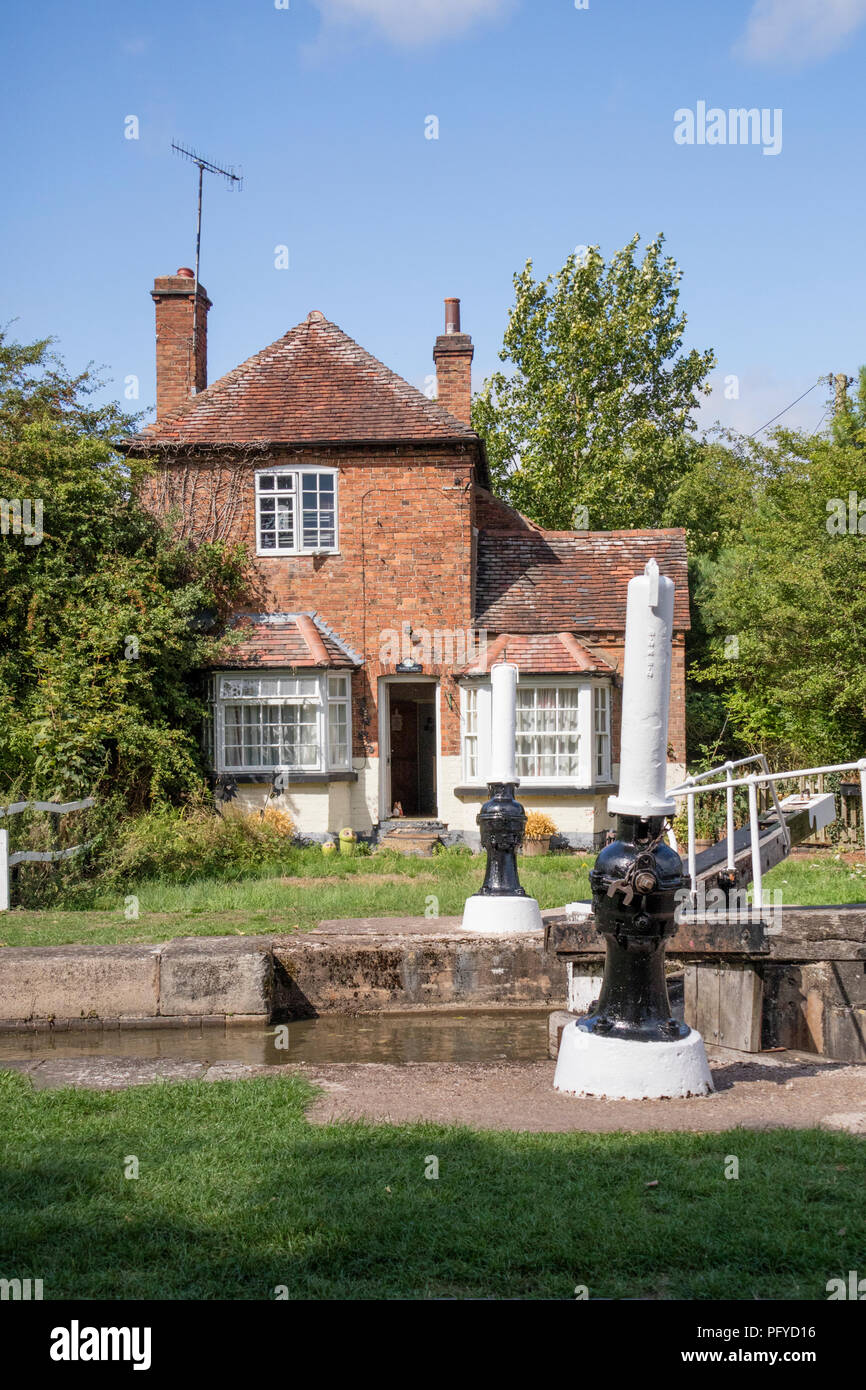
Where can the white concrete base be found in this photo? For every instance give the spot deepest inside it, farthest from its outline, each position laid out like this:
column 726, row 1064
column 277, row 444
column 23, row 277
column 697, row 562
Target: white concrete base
column 503, row 916
column 623, row 1069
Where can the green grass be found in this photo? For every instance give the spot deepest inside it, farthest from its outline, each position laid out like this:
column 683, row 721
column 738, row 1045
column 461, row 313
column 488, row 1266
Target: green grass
column 238, row 1194
column 275, row 902
column 329, row 888
column 814, row 881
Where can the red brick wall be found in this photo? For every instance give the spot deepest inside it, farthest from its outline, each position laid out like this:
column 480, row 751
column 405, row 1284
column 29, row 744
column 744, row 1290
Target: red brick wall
column 405, row 540
column 611, row 646
column 406, row 555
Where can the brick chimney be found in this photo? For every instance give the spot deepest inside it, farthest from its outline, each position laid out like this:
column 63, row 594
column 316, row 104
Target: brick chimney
column 181, row 372
column 453, row 355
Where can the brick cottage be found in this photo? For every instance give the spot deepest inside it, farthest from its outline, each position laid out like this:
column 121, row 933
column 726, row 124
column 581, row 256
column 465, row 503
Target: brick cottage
column 388, row 579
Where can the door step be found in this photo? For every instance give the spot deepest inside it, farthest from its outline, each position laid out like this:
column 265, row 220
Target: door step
column 411, row 836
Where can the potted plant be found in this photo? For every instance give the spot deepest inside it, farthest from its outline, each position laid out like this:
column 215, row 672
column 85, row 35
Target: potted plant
column 537, row 835
column 705, row 828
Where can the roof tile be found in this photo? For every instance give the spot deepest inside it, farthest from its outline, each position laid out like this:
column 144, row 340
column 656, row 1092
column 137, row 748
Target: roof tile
column 314, row 385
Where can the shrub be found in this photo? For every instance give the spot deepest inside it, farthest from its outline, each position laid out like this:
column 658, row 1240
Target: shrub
column 538, row 826
column 194, row 842
column 280, row 820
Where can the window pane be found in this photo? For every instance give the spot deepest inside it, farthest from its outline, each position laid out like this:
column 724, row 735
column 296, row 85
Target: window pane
column 547, row 744
column 266, row 483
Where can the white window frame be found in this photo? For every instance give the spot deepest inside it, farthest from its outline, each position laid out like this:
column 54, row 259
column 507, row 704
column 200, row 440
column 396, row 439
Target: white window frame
column 327, row 697
column 297, row 475
column 587, row 775
column 602, row 705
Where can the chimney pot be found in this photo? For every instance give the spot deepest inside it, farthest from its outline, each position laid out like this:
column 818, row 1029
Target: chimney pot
column 185, row 270
column 452, row 315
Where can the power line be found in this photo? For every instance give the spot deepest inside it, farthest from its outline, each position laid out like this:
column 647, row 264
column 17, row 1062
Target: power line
column 787, row 408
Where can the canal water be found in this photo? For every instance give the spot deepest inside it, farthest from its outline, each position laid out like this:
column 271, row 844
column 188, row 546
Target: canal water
column 518, row 1035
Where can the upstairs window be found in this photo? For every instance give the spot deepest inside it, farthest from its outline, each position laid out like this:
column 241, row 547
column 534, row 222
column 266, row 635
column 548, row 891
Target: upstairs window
column 296, row 511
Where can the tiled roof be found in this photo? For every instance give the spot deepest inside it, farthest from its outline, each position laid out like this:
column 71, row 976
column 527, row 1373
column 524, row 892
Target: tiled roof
column 566, row 581
column 288, row 639
column 536, row 653
column 315, row 385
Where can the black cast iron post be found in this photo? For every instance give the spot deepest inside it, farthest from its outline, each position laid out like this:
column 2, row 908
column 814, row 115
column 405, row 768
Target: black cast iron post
column 634, row 884
column 502, row 820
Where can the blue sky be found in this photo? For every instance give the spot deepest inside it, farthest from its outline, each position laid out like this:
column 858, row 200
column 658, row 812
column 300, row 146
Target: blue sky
column 556, row 129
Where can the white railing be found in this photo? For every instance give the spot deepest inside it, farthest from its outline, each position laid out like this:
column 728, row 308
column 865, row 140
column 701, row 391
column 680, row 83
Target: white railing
column 691, row 789
column 34, row 856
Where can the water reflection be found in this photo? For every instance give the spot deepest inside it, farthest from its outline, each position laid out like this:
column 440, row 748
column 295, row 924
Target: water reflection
column 518, row 1035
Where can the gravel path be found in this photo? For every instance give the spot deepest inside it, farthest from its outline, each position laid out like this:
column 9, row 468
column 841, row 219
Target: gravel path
column 773, row 1090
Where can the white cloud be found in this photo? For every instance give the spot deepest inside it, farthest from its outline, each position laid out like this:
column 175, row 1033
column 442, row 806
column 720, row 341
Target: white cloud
column 411, row 22
column 795, row 32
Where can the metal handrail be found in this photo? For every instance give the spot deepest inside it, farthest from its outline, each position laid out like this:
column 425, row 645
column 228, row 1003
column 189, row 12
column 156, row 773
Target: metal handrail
column 691, row 789
column 32, row 856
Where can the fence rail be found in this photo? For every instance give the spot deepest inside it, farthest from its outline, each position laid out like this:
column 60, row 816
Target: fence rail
column 34, row 856
column 754, row 782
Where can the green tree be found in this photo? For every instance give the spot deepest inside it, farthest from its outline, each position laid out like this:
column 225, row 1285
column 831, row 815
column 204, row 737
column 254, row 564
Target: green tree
column 595, row 412
column 105, row 619
column 783, row 591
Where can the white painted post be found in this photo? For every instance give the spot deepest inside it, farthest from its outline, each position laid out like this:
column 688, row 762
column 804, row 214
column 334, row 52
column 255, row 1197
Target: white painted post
column 692, row 852
column 729, row 828
column 4, row 870
column 755, row 837
column 503, row 760
column 649, row 622
column 861, row 767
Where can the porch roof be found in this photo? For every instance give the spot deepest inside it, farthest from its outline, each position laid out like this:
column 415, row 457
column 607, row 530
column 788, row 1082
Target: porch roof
column 540, row 653
column 290, row 640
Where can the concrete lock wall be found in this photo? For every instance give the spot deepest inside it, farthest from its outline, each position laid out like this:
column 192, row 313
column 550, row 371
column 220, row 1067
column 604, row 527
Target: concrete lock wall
column 395, row 964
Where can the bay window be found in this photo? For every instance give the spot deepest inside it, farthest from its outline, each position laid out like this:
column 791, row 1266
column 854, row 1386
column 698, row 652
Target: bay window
column 296, row 511
column 283, row 721
column 563, row 731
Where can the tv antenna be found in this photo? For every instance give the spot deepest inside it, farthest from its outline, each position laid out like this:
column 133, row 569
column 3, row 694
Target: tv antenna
column 234, row 180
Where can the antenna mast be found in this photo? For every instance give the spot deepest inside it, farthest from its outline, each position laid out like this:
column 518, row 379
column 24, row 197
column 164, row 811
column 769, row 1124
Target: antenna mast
column 204, row 166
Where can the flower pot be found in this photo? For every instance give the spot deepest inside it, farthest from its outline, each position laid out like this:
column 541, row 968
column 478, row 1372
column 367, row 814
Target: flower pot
column 540, row 846
column 701, row 844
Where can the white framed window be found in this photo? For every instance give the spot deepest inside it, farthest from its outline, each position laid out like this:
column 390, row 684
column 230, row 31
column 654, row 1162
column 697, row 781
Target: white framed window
column 601, row 732
column 470, row 734
column 285, row 721
column 339, row 722
column 296, row 511
column 548, row 733
column 563, row 731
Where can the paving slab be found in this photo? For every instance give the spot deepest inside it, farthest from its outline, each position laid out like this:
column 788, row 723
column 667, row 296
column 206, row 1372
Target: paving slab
column 80, row 982
column 110, row 1073
column 202, row 975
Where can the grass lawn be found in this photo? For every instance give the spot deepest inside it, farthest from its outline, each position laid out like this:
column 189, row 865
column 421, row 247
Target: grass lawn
column 237, row 1194
column 818, row 879
column 296, row 896
column 307, row 887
